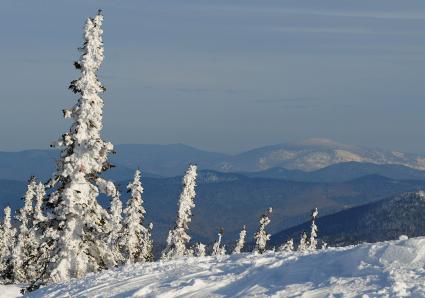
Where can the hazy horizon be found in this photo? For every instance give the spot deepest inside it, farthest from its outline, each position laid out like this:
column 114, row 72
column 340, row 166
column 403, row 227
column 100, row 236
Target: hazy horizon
column 298, row 142
column 221, row 76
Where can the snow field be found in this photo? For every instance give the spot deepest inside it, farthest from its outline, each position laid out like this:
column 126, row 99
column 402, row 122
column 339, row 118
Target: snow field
column 387, row 269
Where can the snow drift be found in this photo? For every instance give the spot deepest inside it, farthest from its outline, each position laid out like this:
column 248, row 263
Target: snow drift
column 393, row 268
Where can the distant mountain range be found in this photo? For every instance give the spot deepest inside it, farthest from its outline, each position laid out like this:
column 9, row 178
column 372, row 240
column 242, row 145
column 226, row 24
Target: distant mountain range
column 316, row 154
column 233, row 200
column 378, row 221
column 276, row 161
column 235, row 190
column 340, row 172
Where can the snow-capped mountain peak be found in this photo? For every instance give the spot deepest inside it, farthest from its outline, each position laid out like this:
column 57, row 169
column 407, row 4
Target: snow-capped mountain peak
column 314, row 154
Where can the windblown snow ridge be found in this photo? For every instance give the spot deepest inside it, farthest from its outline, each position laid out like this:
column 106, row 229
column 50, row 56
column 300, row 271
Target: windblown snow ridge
column 393, row 268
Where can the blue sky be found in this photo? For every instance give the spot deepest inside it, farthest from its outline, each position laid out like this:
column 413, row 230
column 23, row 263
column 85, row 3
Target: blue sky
column 221, row 75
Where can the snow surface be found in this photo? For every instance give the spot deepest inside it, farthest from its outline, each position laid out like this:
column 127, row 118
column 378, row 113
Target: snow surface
column 386, row 269
column 10, row 291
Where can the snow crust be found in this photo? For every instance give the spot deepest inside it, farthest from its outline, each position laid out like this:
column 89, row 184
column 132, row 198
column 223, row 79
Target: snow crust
column 10, row 291
column 386, row 269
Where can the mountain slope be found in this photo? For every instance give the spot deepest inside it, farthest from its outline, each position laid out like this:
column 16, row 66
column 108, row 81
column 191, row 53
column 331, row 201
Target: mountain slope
column 315, row 154
column 172, row 160
column 388, row 269
column 154, row 160
column 24, row 164
column 341, row 172
column 383, row 220
column 232, row 200
column 164, row 160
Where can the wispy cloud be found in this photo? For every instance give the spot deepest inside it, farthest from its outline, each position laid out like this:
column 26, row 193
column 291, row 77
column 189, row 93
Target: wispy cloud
column 341, row 30
column 288, row 100
column 260, row 8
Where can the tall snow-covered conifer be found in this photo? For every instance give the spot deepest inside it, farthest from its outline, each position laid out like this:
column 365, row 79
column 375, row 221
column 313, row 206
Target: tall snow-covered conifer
column 241, row 242
column 148, row 248
column 178, row 238
column 32, row 265
column 314, row 230
column 135, row 240
column 26, row 242
column 75, row 234
column 7, row 244
column 261, row 236
column 116, row 228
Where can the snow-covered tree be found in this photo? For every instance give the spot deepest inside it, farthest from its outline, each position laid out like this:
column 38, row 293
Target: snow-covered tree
column 25, row 214
column 116, row 228
column 178, row 238
column 147, row 251
column 7, row 244
column 314, row 230
column 241, row 242
column 26, row 241
column 303, row 246
column 75, row 234
column 199, row 250
column 218, row 249
column 32, row 266
column 261, row 236
column 40, row 195
column 136, row 240
column 287, row 246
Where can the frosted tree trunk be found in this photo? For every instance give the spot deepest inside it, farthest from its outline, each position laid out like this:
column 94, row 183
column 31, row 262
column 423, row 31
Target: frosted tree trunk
column 76, row 231
column 261, row 236
column 241, row 242
column 178, row 238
